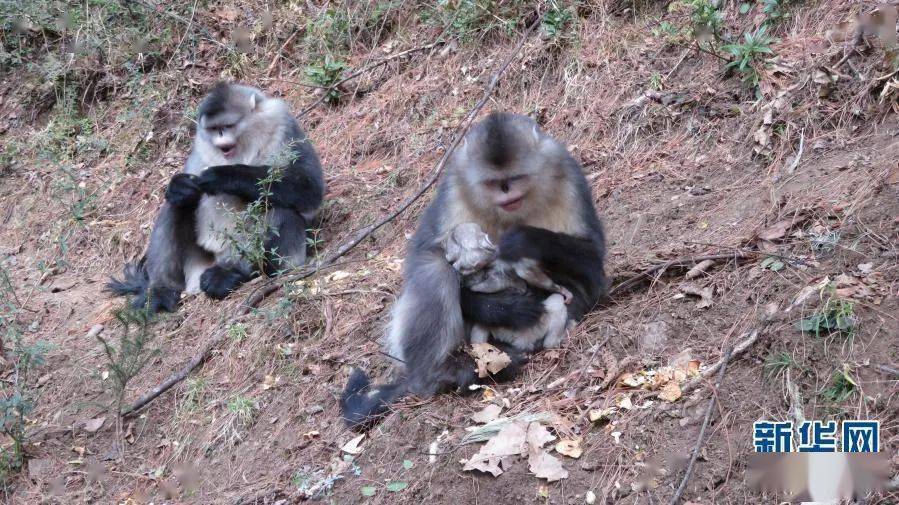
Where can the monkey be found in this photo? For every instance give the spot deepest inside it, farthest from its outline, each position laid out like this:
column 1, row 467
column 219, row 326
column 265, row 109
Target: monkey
column 529, row 195
column 470, row 252
column 247, row 146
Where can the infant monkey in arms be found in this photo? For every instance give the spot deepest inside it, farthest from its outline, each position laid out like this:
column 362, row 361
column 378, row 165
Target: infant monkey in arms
column 472, row 254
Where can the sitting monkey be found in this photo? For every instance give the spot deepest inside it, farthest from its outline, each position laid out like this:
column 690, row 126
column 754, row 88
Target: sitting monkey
column 472, row 254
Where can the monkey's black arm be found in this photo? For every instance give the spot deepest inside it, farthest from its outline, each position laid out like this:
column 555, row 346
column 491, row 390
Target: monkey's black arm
column 574, row 262
column 295, row 190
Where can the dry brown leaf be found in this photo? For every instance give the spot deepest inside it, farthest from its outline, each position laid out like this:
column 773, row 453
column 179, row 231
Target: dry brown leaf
column 510, row 441
column 599, row 415
column 93, row 425
column 547, row 467
column 776, row 230
column 537, row 437
column 570, row 448
column 227, row 14
column 670, row 392
column 625, row 402
column 490, row 360
column 270, row 382
column 483, row 463
column 705, row 294
column 487, row 414
column 354, row 446
column 693, row 368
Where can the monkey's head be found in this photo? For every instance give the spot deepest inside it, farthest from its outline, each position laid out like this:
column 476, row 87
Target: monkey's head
column 225, row 115
column 507, row 167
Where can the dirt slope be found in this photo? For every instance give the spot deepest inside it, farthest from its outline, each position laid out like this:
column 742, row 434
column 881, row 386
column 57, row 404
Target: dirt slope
column 684, row 160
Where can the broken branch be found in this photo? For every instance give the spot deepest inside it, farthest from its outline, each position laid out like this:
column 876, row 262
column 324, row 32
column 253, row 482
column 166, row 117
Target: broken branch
column 705, row 424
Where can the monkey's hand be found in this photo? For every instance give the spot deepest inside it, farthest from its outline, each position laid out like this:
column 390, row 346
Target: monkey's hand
column 213, row 180
column 183, row 191
column 518, row 243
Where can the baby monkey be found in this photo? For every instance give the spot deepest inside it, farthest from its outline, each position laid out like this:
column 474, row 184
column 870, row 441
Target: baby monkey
column 472, row 254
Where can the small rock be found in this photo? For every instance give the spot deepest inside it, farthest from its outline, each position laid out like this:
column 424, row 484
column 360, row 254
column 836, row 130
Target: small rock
column 314, row 409
column 697, row 191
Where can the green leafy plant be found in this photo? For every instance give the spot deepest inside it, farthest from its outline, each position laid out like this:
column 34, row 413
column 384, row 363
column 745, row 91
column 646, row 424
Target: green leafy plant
column 772, row 263
column 778, row 363
column 237, row 332
column 836, row 316
column 706, row 19
column 841, row 387
column 823, row 242
column 326, row 74
column 775, row 11
column 243, row 408
column 467, row 20
column 748, row 56
column 252, row 227
column 670, row 32
column 131, row 352
column 556, row 21
column 17, row 396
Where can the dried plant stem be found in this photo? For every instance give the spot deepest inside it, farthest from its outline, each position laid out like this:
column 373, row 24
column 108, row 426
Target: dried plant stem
column 705, row 424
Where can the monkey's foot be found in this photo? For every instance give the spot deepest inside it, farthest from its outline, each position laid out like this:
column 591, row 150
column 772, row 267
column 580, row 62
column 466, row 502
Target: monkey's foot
column 217, row 281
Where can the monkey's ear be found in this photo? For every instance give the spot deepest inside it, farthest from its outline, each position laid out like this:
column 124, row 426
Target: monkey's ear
column 253, row 102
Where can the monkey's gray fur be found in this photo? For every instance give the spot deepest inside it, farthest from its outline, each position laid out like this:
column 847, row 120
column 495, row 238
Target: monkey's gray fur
column 525, row 190
column 241, row 133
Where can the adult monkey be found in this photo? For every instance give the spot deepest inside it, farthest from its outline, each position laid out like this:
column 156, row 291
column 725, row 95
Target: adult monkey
column 527, row 192
column 195, row 243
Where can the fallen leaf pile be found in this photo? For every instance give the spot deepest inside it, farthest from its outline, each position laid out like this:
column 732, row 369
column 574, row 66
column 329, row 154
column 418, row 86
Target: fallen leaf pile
column 667, row 380
column 523, row 439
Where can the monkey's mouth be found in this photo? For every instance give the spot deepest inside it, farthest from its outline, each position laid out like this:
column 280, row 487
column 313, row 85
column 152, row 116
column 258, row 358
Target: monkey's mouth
column 512, row 205
column 229, row 151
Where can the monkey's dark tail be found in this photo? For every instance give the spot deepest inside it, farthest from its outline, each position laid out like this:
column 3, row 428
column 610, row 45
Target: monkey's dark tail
column 362, row 404
column 135, row 281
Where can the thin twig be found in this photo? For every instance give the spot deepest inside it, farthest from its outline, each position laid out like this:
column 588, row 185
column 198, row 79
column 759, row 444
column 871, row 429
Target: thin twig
column 795, row 163
column 363, row 233
column 749, row 340
column 266, row 290
column 277, row 57
column 887, row 370
column 173, row 379
column 660, row 268
column 190, row 22
column 705, row 424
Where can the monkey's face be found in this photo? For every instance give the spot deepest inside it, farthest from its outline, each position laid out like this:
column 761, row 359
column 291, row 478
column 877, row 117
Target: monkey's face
column 226, row 126
column 510, row 193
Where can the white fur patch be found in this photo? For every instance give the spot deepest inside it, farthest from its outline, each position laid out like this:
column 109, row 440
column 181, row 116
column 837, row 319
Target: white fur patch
column 215, row 222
